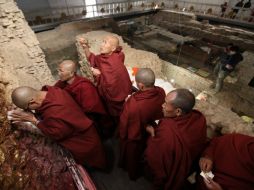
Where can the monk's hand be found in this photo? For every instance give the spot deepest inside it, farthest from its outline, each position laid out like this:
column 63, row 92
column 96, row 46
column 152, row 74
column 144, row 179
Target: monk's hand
column 205, row 164
column 150, row 130
column 22, row 116
column 212, row 185
column 127, row 97
column 96, row 72
column 229, row 67
column 84, row 43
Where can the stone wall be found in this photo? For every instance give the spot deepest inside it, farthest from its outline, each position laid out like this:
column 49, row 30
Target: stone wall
column 244, row 75
column 174, row 16
column 221, row 120
column 185, row 78
column 22, row 61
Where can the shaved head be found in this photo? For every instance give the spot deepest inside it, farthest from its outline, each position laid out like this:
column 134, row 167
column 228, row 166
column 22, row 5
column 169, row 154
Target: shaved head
column 183, row 99
column 146, row 77
column 67, row 70
column 21, row 96
column 109, row 44
column 68, row 65
column 178, row 102
column 113, row 40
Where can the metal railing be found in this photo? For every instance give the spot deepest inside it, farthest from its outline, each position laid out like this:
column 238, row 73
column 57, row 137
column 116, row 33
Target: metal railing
column 243, row 14
column 69, row 13
column 58, row 15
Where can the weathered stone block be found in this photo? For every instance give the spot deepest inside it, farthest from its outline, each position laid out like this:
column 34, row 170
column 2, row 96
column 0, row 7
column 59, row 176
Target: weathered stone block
column 30, row 54
column 20, row 15
column 6, row 22
column 10, row 35
column 2, row 13
column 18, row 66
column 38, row 59
column 19, row 32
column 10, row 7
column 2, row 1
column 30, row 42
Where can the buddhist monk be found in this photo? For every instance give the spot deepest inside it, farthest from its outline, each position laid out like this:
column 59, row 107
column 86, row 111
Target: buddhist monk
column 231, row 160
column 140, row 111
column 85, row 94
column 81, row 89
column 178, row 142
column 113, row 81
column 60, row 118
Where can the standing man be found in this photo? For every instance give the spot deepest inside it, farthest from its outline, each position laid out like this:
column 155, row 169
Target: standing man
column 178, row 142
column 140, row 110
column 60, row 118
column 247, row 4
column 224, row 7
column 113, row 81
column 227, row 66
column 239, row 5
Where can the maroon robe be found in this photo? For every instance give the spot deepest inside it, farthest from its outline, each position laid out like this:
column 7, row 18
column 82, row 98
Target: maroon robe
column 63, row 120
column 142, row 108
column 114, row 83
column 85, row 94
column 233, row 162
column 178, row 142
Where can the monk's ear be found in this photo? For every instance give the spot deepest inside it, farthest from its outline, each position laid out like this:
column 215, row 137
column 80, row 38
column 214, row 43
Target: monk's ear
column 113, row 48
column 178, row 112
column 72, row 73
column 141, row 86
column 31, row 101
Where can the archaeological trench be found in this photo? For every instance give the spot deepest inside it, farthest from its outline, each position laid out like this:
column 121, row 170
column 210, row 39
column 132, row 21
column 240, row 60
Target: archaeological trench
column 181, row 52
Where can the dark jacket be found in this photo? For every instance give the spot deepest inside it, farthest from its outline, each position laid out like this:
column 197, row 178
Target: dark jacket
column 233, row 60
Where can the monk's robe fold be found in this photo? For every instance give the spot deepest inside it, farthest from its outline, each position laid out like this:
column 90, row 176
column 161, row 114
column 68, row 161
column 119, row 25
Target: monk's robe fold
column 178, row 142
column 233, row 161
column 85, row 94
column 114, row 83
column 142, row 108
column 64, row 121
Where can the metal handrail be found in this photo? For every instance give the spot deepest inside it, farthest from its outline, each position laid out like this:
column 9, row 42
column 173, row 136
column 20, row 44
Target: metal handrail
column 242, row 15
column 37, row 17
column 68, row 13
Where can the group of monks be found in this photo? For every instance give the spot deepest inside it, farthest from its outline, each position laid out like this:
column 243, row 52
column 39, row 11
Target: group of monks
column 161, row 136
